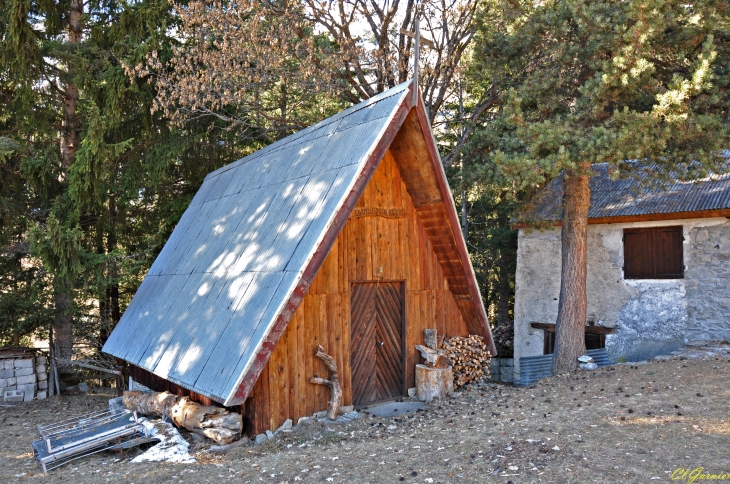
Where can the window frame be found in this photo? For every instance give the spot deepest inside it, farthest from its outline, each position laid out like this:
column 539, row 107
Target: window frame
column 653, row 252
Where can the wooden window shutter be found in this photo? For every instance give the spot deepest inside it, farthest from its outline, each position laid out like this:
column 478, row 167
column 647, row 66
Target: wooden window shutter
column 638, row 255
column 653, row 253
column 668, row 260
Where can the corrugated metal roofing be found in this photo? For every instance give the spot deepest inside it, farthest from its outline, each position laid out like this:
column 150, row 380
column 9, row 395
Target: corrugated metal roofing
column 632, row 196
column 230, row 265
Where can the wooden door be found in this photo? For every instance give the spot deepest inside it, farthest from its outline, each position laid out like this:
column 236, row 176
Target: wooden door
column 378, row 370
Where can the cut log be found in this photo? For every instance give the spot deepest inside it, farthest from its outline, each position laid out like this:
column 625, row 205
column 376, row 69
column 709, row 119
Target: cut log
column 333, row 407
column 430, row 338
column 218, row 424
column 434, row 358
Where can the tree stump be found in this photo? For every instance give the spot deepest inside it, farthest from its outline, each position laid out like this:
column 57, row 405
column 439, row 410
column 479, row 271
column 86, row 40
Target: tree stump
column 433, row 382
column 333, row 407
column 216, row 423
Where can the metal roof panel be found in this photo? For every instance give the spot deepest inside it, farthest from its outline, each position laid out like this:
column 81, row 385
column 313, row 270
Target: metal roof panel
column 240, row 249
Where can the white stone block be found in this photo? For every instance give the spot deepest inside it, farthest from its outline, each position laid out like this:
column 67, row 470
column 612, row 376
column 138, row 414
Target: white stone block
column 7, row 364
column 13, row 396
column 3, row 382
column 10, row 388
column 43, row 385
column 7, row 373
column 40, row 368
column 24, row 363
column 24, row 371
column 41, row 395
column 12, row 381
column 41, row 360
column 42, row 376
column 28, row 392
column 26, row 380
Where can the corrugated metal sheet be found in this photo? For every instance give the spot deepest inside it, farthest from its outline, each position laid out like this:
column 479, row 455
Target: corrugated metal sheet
column 635, row 196
column 533, row 368
column 237, row 253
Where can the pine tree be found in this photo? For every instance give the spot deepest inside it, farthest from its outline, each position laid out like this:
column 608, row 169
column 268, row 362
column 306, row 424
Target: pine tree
column 583, row 82
column 103, row 180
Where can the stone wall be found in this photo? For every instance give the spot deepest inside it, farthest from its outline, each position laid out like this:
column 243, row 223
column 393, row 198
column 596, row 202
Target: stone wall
column 708, row 282
column 650, row 317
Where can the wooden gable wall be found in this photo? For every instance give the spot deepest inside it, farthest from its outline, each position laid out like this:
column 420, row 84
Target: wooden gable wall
column 385, row 231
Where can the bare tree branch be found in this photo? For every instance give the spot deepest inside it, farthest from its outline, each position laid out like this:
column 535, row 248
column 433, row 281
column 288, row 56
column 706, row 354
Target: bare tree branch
column 270, row 67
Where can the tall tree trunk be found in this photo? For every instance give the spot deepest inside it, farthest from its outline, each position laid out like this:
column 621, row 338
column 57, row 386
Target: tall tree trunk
column 114, row 311
column 63, row 324
column 69, row 145
column 506, row 251
column 71, row 127
column 573, row 302
column 504, row 287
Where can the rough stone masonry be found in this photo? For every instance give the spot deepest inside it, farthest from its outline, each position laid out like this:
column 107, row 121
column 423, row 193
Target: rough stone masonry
column 650, row 316
column 707, row 279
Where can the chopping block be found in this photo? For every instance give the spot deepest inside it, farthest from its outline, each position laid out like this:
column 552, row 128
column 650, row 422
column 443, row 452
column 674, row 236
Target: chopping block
column 433, row 382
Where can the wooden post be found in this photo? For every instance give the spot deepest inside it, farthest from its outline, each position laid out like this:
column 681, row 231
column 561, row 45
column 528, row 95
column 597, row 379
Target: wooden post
column 121, row 377
column 333, row 407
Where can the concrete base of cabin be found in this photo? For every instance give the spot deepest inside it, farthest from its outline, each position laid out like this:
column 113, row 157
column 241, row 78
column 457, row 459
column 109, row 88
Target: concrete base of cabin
column 501, row 370
column 433, row 383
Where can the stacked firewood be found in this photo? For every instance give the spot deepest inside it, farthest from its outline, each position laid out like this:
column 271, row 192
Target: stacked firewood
column 469, row 357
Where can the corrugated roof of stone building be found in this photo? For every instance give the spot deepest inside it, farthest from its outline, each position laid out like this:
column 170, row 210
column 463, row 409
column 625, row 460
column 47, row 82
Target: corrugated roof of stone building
column 634, row 196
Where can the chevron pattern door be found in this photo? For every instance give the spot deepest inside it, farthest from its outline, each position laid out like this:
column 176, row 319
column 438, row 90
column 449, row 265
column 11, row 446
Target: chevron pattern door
column 377, row 342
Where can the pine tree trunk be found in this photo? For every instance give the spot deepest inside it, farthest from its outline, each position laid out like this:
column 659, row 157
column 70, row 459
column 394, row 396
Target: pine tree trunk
column 114, row 309
column 71, row 127
column 63, row 323
column 573, row 302
column 507, row 251
column 63, row 327
column 504, row 287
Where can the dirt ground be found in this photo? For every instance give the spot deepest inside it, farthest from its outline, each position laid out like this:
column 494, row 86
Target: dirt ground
column 625, row 423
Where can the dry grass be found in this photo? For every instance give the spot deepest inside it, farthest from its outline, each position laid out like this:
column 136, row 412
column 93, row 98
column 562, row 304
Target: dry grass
column 622, row 424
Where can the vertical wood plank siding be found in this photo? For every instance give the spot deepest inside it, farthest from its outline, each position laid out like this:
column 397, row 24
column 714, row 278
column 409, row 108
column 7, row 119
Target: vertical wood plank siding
column 401, row 247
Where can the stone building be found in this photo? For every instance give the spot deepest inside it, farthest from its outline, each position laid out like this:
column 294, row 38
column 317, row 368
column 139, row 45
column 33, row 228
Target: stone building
column 658, row 267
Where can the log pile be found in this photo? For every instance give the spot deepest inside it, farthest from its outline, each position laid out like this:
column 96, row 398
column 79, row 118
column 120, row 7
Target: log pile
column 469, row 357
column 216, row 423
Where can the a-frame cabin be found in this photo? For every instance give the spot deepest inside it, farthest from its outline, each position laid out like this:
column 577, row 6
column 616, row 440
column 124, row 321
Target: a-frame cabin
column 343, row 235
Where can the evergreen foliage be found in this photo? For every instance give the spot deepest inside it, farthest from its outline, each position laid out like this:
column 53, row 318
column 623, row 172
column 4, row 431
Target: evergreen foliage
column 584, row 82
column 93, row 222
